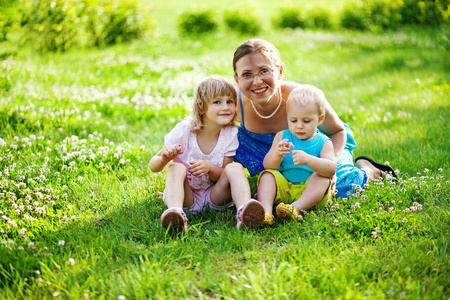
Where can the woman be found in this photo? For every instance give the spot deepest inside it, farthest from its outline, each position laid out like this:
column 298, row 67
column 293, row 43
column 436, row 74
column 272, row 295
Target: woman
column 261, row 110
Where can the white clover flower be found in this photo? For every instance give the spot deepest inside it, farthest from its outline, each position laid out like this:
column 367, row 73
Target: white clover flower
column 55, row 294
column 71, row 261
column 20, row 248
column 23, row 232
column 2, row 143
column 61, row 243
column 80, row 179
column 73, row 218
column 122, row 297
column 39, row 281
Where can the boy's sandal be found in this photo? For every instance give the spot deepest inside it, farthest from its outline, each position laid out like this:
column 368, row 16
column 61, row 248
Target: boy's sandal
column 250, row 215
column 286, row 212
column 382, row 167
column 174, row 219
column 269, row 219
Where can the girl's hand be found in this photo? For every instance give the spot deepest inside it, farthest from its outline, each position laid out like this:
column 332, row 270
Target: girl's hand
column 300, row 157
column 169, row 152
column 198, row 168
column 284, row 147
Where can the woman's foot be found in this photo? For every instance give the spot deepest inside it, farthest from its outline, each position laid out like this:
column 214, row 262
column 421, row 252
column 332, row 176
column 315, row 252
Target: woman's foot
column 373, row 169
column 250, row 214
column 174, row 219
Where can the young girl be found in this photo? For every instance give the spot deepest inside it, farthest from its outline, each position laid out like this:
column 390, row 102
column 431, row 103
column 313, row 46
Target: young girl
column 295, row 154
column 201, row 149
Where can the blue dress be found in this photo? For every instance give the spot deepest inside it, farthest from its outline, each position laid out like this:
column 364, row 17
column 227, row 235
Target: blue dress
column 253, row 147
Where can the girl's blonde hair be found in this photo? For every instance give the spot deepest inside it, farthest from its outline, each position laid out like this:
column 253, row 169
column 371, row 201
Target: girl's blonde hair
column 205, row 92
column 308, row 94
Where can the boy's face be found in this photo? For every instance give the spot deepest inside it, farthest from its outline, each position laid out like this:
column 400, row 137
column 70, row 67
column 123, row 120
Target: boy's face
column 303, row 119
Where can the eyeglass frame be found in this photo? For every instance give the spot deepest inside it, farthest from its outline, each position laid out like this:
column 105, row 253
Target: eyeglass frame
column 256, row 74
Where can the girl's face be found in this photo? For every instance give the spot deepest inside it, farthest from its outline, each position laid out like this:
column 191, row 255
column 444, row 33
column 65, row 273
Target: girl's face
column 220, row 111
column 257, row 77
column 303, row 119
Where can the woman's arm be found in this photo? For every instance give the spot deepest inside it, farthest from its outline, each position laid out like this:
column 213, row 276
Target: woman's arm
column 334, row 128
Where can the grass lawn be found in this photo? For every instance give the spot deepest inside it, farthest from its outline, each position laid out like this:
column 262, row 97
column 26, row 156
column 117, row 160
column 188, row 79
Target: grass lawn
column 80, row 209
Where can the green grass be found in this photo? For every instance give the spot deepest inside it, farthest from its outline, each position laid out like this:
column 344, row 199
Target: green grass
column 391, row 88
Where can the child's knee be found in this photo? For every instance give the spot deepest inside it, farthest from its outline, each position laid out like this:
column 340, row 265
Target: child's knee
column 177, row 168
column 233, row 168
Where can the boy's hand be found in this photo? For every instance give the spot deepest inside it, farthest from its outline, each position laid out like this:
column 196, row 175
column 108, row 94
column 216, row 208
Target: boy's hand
column 198, row 168
column 300, row 157
column 169, row 152
column 284, row 147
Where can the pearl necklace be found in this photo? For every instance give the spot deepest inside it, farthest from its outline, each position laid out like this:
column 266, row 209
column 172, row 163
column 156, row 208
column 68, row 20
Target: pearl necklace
column 266, row 117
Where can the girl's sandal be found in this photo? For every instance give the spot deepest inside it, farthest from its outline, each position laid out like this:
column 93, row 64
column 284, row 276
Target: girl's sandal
column 286, row 212
column 269, row 219
column 174, row 220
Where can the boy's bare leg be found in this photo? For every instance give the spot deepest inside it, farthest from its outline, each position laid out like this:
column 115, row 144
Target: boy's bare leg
column 313, row 193
column 267, row 191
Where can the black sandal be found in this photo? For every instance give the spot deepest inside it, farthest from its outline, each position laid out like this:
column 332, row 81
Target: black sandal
column 379, row 166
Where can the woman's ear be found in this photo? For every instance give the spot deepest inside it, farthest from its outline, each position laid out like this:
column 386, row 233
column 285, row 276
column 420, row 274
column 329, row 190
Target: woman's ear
column 236, row 78
column 280, row 72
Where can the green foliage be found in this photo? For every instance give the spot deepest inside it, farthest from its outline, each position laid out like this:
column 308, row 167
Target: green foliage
column 6, row 67
column 410, row 12
column 431, row 13
column 319, row 17
column 383, row 14
column 56, row 25
column 51, row 25
column 5, row 26
column 379, row 15
column 112, row 22
column 290, row 17
column 242, row 21
column 353, row 16
column 197, row 23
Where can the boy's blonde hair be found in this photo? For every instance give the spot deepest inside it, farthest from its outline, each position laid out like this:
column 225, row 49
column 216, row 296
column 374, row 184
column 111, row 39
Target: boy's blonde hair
column 205, row 92
column 308, row 94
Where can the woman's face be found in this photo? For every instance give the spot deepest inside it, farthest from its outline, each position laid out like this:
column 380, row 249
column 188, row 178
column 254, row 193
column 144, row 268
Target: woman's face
column 257, row 77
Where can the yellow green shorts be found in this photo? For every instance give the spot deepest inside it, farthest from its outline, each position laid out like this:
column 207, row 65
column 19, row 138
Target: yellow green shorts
column 288, row 192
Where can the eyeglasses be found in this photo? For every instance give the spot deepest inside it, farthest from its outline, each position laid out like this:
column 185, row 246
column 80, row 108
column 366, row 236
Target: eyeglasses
column 263, row 74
